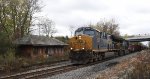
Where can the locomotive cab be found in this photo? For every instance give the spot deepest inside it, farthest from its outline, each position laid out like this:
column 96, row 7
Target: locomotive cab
column 86, row 44
column 89, row 44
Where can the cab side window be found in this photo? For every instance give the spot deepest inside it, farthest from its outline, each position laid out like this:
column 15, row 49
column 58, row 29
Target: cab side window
column 97, row 34
column 100, row 34
column 104, row 35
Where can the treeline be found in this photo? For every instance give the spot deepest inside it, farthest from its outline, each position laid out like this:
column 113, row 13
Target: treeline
column 109, row 26
column 16, row 17
column 63, row 38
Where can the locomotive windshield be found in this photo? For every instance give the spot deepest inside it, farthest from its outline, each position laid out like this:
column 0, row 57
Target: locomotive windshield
column 79, row 32
column 89, row 32
column 86, row 31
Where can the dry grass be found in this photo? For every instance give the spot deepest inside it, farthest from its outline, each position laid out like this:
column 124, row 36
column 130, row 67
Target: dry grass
column 137, row 67
column 10, row 62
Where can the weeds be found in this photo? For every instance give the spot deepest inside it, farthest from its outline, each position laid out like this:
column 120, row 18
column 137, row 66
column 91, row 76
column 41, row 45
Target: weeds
column 137, row 67
column 142, row 67
column 9, row 61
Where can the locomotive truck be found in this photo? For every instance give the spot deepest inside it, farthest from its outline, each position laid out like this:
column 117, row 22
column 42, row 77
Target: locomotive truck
column 89, row 45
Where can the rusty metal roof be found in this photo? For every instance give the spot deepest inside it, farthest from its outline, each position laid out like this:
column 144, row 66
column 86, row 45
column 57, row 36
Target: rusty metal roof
column 39, row 41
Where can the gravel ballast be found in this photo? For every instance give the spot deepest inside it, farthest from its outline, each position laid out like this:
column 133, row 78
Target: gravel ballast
column 91, row 72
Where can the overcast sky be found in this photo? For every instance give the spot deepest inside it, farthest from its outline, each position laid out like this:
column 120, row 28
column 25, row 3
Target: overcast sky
column 133, row 16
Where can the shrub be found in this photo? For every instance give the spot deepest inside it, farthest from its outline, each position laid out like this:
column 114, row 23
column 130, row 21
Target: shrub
column 9, row 59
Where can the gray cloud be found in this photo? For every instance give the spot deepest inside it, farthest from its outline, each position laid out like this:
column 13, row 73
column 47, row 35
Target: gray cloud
column 133, row 16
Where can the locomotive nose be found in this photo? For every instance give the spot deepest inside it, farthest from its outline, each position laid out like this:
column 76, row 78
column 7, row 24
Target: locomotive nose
column 80, row 42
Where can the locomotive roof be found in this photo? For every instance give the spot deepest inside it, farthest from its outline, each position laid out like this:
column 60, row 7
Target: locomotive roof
column 39, row 41
column 81, row 28
column 114, row 37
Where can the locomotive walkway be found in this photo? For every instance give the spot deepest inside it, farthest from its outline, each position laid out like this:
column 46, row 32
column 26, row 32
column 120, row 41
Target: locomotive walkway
column 139, row 38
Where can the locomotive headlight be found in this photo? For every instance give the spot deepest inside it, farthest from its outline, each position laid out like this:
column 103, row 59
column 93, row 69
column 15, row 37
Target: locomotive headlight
column 83, row 48
column 79, row 37
column 71, row 48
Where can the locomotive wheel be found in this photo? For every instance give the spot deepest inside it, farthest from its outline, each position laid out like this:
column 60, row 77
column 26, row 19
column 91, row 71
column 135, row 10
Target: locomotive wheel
column 100, row 57
column 94, row 56
column 127, row 51
column 116, row 54
column 97, row 56
column 91, row 56
column 124, row 52
column 85, row 62
column 103, row 56
column 120, row 53
column 95, row 59
column 91, row 60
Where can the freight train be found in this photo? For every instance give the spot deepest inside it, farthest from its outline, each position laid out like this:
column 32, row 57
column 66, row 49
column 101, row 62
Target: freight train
column 135, row 48
column 89, row 45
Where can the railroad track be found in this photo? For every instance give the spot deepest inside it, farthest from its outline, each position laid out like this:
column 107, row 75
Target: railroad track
column 39, row 73
column 45, row 72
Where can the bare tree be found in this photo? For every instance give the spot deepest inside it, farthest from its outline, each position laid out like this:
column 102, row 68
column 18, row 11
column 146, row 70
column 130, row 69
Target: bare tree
column 47, row 26
column 71, row 29
column 107, row 26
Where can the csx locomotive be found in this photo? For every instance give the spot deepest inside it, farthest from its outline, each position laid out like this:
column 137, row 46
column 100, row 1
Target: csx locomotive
column 89, row 44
